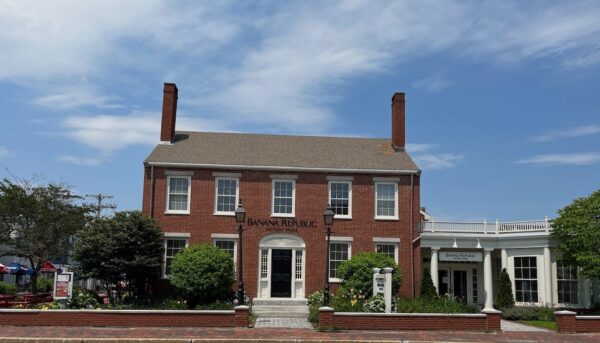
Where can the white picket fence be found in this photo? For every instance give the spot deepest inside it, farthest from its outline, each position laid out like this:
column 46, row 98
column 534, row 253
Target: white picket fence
column 486, row 227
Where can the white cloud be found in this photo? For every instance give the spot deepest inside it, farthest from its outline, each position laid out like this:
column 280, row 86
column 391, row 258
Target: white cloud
column 76, row 97
column 428, row 160
column 431, row 84
column 568, row 133
column 3, row 151
column 82, row 161
column 109, row 133
column 577, row 159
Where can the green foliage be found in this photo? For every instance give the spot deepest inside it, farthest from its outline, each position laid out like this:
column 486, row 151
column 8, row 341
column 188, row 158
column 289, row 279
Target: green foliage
column 6, row 288
column 357, row 272
column 375, row 304
column 315, row 300
column 577, row 230
column 434, row 305
column 504, row 297
column 348, row 300
column 203, row 274
column 529, row 313
column 44, row 284
column 125, row 252
column 83, row 299
column 217, row 305
column 427, row 289
column 37, row 222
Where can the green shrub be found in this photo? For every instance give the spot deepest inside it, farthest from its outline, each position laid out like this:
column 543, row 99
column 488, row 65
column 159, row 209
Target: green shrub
column 6, row 288
column 504, row 298
column 315, row 300
column 435, row 305
column 528, row 313
column 357, row 272
column 427, row 289
column 44, row 284
column 348, row 300
column 218, row 305
column 375, row 304
column 83, row 299
column 203, row 274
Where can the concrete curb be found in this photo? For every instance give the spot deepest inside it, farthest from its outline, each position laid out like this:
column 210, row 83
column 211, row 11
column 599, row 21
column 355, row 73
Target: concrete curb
column 191, row 340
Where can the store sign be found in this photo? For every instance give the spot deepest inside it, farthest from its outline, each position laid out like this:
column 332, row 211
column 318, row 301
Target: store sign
column 460, row 256
column 63, row 285
column 281, row 224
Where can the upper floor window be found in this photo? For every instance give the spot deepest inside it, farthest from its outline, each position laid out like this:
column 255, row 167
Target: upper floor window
column 386, row 200
column 226, row 195
column 283, row 197
column 178, row 193
column 340, row 198
column 172, row 247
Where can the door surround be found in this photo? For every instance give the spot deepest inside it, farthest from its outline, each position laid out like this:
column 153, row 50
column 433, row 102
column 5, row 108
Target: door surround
column 281, row 241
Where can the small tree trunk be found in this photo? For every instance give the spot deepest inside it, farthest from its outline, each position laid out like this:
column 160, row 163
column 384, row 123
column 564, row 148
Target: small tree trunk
column 34, row 276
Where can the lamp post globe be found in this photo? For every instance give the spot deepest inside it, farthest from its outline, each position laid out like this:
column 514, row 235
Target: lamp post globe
column 240, row 217
column 328, row 219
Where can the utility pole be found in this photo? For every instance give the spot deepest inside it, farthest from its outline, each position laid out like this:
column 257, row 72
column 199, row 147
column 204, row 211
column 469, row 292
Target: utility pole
column 99, row 205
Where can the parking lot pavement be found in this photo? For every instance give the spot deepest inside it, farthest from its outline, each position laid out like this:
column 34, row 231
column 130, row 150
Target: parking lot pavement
column 148, row 334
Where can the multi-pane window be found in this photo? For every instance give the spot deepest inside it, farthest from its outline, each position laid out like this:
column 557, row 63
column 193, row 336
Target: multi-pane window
column 526, row 284
column 567, row 283
column 229, row 246
column 178, row 194
column 338, row 253
column 475, row 286
column 340, row 198
column 298, row 264
column 388, row 249
column 264, row 263
column 226, row 195
column 172, row 247
column 385, row 195
column 283, row 197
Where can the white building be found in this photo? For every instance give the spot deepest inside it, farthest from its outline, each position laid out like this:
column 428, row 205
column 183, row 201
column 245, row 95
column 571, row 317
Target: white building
column 466, row 258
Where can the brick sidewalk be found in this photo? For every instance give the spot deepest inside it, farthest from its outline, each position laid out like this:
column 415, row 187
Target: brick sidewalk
column 30, row 333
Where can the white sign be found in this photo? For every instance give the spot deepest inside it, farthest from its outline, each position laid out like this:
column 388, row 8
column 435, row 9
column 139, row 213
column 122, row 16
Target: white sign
column 63, row 285
column 460, row 256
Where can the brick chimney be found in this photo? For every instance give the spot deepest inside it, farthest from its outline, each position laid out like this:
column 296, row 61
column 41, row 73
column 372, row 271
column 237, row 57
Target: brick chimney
column 169, row 112
column 398, row 121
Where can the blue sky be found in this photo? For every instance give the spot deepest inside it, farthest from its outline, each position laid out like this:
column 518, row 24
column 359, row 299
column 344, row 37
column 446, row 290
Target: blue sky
column 503, row 98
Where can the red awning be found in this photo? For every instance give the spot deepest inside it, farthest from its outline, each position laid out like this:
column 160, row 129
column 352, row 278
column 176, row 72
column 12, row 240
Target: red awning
column 48, row 267
column 3, row 269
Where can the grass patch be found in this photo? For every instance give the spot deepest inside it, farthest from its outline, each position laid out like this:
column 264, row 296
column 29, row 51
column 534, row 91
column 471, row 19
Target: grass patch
column 544, row 324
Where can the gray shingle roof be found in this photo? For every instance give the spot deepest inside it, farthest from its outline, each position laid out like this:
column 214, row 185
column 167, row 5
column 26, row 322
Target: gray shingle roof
column 255, row 151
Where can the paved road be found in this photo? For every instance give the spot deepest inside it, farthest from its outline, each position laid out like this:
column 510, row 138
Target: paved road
column 13, row 333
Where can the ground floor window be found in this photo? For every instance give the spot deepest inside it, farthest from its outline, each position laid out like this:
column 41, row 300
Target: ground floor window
column 475, row 286
column 298, row 264
column 264, row 264
column 566, row 277
column 338, row 253
column 229, row 246
column 172, row 247
column 388, row 249
column 526, row 284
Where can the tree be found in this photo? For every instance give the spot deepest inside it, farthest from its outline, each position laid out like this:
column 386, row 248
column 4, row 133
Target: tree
column 504, row 297
column 203, row 273
column 124, row 252
column 427, row 289
column 577, row 230
column 357, row 272
column 37, row 222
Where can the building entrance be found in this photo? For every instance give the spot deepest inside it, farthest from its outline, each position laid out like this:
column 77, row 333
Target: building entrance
column 459, row 282
column 281, row 273
column 459, row 278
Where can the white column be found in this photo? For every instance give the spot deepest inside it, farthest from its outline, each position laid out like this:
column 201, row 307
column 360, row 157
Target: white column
column 434, row 269
column 504, row 259
column 547, row 277
column 487, row 279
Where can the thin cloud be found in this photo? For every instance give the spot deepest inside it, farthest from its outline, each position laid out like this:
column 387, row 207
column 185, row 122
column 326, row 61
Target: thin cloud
column 576, row 159
column 77, row 97
column 431, row 84
column 568, row 133
column 3, row 151
column 428, row 160
column 82, row 161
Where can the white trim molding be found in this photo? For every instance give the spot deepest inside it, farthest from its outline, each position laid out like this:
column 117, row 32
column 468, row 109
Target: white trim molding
column 340, row 239
column 224, row 236
column 386, row 240
column 168, row 193
column 283, row 215
column 395, row 216
column 349, row 183
column 216, row 212
column 177, row 234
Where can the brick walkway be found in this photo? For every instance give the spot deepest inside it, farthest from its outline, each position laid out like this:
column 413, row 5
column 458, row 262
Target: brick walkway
column 296, row 323
column 13, row 333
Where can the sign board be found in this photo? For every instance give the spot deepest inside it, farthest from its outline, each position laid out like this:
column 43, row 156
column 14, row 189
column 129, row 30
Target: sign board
column 380, row 280
column 460, row 256
column 63, row 285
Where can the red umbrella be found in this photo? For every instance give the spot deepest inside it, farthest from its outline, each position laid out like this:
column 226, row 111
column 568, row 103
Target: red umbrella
column 3, row 269
column 48, row 267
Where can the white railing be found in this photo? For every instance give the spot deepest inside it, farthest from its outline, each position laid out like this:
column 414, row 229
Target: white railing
column 485, row 227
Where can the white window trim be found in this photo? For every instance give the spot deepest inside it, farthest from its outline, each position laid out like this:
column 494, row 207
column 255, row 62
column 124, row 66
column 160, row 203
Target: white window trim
column 171, row 236
column 237, row 195
column 286, row 215
column 235, row 249
column 335, row 279
column 189, row 192
column 394, row 217
column 395, row 244
column 349, row 183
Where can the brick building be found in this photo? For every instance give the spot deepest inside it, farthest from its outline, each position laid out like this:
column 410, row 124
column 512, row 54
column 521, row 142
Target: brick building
column 193, row 182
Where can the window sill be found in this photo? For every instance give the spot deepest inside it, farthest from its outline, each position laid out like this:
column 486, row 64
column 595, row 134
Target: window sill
column 283, row 215
column 335, row 280
column 342, row 217
column 177, row 212
column 224, row 214
column 387, row 218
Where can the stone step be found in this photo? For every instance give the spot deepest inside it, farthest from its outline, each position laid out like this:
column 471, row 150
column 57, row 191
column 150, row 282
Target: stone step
column 280, row 311
column 280, row 301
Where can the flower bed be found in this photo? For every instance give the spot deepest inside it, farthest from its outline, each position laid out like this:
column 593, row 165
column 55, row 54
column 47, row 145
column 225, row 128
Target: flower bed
column 213, row 318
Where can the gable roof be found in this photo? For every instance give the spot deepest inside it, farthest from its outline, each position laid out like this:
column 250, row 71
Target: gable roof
column 282, row 152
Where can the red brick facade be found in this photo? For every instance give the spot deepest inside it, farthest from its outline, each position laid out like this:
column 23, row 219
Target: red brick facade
column 311, row 200
column 570, row 322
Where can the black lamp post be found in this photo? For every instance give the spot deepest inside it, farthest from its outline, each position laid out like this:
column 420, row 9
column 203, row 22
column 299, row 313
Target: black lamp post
column 328, row 218
column 240, row 217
